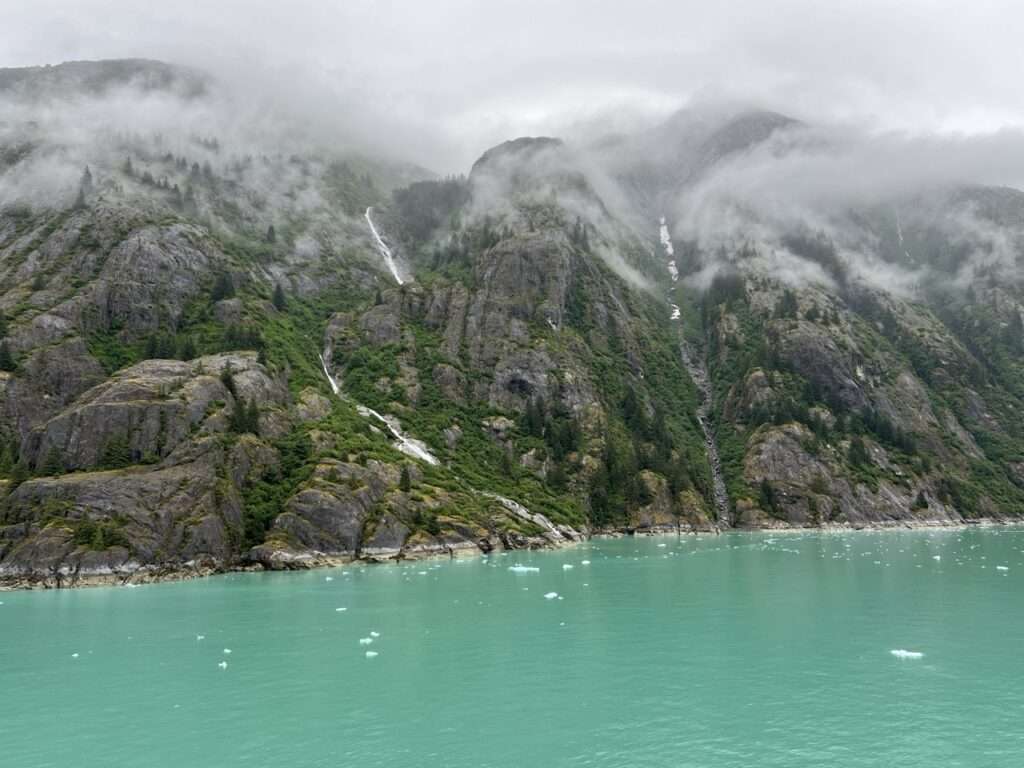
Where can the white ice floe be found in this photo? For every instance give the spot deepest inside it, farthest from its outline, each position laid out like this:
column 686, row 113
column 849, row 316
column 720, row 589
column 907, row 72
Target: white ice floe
column 371, row 654
column 523, row 568
column 550, row 595
column 566, row 567
column 365, row 640
column 223, row 665
column 900, row 653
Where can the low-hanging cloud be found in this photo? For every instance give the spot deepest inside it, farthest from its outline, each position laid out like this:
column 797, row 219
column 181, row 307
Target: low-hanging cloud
column 826, row 179
column 451, row 77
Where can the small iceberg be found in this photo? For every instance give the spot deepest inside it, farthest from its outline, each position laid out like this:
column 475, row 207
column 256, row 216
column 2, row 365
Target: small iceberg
column 371, row 654
column 550, row 595
column 365, row 640
column 523, row 568
column 223, row 665
column 899, row 653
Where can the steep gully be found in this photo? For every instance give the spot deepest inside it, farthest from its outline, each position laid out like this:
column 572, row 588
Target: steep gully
column 417, row 449
column 696, row 366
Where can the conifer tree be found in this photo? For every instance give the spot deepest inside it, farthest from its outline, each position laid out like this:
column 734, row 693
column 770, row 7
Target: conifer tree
column 7, row 362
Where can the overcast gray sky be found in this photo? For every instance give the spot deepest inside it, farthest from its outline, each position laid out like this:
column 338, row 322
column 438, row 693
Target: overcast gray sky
column 454, row 76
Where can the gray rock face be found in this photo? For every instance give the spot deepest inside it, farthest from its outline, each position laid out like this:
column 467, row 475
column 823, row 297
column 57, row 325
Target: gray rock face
column 155, row 406
column 166, row 515
column 184, row 509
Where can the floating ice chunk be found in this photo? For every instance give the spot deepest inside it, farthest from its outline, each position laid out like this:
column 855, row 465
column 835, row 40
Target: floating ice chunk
column 899, row 653
column 566, row 567
column 517, row 568
column 371, row 654
column 339, row 610
column 223, row 665
column 365, row 640
column 227, row 650
column 375, row 634
column 550, row 595
column 1002, row 568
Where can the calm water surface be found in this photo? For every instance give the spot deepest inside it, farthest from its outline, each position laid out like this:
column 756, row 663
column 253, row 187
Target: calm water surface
column 739, row 650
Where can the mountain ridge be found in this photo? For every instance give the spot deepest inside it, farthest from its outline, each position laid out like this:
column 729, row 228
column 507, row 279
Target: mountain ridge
column 208, row 365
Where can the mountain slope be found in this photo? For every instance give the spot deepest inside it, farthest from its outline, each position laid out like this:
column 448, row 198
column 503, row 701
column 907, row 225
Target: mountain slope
column 208, row 362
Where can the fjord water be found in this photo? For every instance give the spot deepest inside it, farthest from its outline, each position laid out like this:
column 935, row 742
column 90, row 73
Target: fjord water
column 738, row 650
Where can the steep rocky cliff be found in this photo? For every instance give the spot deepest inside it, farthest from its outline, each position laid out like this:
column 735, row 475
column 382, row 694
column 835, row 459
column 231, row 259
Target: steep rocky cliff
column 217, row 357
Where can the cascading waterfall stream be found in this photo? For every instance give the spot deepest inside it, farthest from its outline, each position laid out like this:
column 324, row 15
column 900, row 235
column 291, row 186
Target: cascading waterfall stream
column 407, row 445
column 410, row 446
column 382, row 247
column 698, row 371
column 696, row 366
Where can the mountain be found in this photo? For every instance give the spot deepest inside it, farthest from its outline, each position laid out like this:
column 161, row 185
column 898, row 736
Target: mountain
column 224, row 351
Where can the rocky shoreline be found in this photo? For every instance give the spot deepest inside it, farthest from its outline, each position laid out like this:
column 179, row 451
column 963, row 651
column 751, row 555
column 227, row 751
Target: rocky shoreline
column 203, row 568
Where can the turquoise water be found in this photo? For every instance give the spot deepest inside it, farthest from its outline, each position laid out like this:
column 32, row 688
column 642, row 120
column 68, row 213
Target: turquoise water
column 739, row 650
